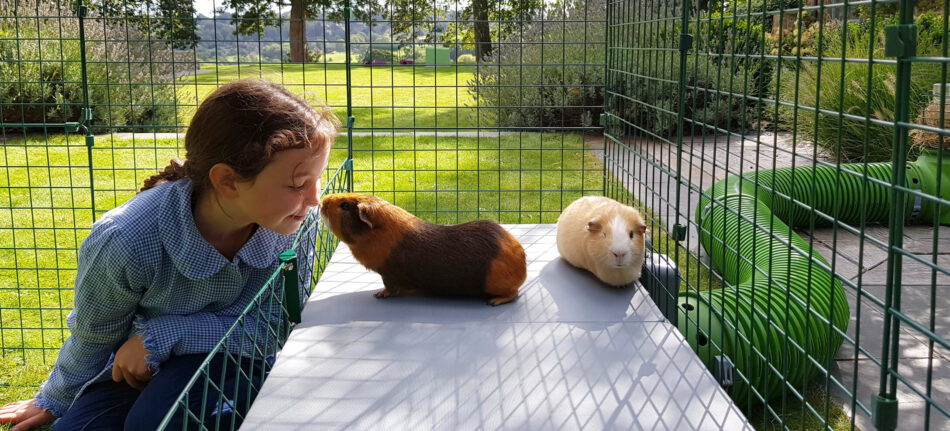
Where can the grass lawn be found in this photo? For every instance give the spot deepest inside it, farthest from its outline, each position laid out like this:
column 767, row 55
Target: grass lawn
column 383, row 96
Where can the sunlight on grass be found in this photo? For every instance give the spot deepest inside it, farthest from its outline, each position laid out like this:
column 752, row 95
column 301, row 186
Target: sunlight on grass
column 383, row 96
column 518, row 178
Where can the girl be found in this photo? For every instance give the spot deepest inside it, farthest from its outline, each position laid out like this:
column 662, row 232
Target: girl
column 162, row 277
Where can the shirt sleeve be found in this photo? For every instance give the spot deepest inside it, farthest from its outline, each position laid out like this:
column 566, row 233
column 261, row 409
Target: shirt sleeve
column 101, row 318
column 256, row 334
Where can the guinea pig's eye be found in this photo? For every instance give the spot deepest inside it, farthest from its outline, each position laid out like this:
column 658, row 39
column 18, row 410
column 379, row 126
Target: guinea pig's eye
column 346, row 206
column 631, row 234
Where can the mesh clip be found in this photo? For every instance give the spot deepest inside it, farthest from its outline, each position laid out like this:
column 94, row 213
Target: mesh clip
column 723, row 370
column 705, row 212
column 918, row 203
column 679, row 232
column 686, row 41
column 291, row 295
column 900, row 40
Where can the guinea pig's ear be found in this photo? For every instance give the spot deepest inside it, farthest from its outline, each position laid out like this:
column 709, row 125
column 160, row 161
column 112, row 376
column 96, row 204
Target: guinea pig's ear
column 593, row 226
column 642, row 229
column 367, row 211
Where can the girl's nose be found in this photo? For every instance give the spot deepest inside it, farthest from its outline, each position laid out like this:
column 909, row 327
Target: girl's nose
column 313, row 195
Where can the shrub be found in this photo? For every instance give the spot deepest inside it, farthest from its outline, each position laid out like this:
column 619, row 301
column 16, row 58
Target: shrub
column 377, row 55
column 854, row 88
column 724, row 86
column 725, row 73
column 414, row 52
column 130, row 77
column 555, row 84
column 465, row 59
column 313, row 56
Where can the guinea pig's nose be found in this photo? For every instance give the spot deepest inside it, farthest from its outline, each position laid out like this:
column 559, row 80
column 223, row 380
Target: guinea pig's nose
column 619, row 256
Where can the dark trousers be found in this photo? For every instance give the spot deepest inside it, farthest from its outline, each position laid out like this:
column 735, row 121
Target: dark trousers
column 230, row 389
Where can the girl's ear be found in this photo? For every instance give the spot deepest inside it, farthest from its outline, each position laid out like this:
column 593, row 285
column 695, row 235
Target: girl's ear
column 224, row 180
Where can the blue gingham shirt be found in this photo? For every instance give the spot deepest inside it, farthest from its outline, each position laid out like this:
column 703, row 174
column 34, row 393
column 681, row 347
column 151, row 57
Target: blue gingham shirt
column 144, row 268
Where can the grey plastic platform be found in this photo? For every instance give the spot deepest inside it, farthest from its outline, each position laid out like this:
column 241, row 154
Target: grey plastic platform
column 569, row 354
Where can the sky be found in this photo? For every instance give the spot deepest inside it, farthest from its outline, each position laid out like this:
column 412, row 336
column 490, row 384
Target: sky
column 205, row 7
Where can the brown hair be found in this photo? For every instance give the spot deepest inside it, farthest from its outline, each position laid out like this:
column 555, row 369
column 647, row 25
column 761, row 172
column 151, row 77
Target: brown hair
column 244, row 124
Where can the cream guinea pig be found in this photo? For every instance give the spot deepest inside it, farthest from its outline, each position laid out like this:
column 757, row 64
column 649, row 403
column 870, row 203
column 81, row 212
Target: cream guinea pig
column 603, row 236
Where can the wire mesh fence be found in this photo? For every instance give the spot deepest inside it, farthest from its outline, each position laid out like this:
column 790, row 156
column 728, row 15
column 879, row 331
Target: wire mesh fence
column 793, row 149
column 788, row 154
column 97, row 96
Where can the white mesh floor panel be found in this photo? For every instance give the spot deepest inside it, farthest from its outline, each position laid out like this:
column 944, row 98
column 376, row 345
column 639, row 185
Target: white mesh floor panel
column 568, row 354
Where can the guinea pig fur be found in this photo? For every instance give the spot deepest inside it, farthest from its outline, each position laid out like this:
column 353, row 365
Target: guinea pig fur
column 474, row 259
column 603, row 236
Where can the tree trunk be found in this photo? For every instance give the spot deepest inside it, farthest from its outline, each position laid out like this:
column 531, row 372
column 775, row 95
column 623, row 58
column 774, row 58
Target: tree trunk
column 482, row 29
column 298, row 31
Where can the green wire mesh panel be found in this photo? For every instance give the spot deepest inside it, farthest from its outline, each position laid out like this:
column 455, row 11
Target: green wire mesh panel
column 791, row 157
column 498, row 126
column 94, row 100
column 97, row 96
column 46, row 201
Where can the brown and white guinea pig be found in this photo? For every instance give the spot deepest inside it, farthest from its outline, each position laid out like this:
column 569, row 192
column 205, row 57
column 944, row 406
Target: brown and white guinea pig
column 474, row 259
column 603, row 236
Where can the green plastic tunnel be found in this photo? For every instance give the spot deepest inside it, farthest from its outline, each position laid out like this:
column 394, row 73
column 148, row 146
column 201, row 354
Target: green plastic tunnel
column 783, row 313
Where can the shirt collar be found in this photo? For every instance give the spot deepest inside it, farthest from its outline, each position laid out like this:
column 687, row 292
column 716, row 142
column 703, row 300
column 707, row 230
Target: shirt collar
column 192, row 255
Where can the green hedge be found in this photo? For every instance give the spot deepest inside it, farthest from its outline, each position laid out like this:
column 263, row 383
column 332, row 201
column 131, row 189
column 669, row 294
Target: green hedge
column 557, row 83
column 130, row 82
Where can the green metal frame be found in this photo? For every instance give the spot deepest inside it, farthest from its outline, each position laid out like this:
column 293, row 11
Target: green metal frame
column 688, row 94
column 703, row 100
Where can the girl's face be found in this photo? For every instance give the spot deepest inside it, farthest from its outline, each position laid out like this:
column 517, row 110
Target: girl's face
column 282, row 194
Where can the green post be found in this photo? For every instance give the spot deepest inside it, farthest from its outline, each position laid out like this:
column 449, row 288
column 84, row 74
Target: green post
column 603, row 117
column 350, row 119
column 86, row 120
column 901, row 43
column 288, row 262
column 685, row 44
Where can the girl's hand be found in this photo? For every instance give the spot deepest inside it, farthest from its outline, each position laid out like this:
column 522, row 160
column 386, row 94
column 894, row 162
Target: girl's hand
column 129, row 364
column 25, row 415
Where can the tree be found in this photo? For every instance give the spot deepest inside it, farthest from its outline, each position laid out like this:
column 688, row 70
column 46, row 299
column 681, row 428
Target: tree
column 477, row 20
column 170, row 20
column 474, row 24
column 252, row 16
